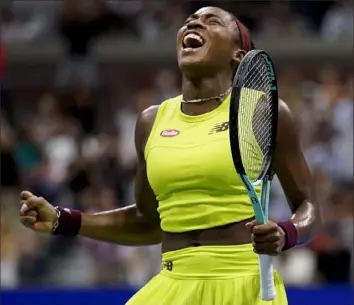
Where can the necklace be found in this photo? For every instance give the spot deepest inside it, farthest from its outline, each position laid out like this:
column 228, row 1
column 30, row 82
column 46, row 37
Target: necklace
column 200, row 100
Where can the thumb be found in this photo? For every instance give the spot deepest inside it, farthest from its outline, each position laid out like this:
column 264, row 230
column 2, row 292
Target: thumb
column 32, row 203
column 25, row 195
column 251, row 224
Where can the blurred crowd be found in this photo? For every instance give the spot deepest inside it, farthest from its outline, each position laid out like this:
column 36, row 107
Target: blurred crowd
column 80, row 21
column 74, row 144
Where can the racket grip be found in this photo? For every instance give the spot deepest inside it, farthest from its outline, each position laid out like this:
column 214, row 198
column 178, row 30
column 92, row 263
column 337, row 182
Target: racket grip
column 266, row 270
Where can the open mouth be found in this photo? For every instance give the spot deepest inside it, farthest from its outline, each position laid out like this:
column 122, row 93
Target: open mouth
column 192, row 41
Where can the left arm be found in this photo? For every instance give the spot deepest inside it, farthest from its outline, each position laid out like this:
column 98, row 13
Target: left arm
column 295, row 177
column 296, row 180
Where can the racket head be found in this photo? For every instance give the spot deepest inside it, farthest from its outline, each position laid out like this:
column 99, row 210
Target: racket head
column 253, row 116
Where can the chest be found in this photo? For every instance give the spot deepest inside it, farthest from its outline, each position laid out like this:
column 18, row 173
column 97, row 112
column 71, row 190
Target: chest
column 190, row 157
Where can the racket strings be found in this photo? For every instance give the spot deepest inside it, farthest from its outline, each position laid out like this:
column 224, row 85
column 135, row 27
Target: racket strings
column 255, row 119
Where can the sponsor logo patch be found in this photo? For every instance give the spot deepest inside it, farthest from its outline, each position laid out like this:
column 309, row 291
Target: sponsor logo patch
column 168, row 133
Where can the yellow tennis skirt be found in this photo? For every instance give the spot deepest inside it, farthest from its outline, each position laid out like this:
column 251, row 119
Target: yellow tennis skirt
column 208, row 275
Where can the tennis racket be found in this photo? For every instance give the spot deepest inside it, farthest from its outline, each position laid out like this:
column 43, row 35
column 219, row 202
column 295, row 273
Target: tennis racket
column 253, row 129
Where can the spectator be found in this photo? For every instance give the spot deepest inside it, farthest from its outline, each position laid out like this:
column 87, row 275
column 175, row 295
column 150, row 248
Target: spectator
column 46, row 120
column 342, row 122
column 10, row 176
column 24, row 21
column 10, row 180
column 338, row 21
column 281, row 21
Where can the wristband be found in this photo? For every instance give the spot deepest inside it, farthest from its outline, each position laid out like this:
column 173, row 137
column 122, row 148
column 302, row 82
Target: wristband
column 68, row 222
column 291, row 234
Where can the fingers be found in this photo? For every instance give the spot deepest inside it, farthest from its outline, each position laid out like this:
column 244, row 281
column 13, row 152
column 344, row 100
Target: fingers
column 29, row 219
column 25, row 195
column 30, row 203
column 268, row 228
column 23, row 207
column 271, row 248
column 251, row 224
column 266, row 238
column 268, row 244
column 263, row 229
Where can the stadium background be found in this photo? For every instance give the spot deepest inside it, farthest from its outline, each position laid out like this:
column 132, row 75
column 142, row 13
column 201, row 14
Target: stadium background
column 77, row 73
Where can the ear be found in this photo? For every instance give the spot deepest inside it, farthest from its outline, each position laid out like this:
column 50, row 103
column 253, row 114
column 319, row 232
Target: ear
column 238, row 55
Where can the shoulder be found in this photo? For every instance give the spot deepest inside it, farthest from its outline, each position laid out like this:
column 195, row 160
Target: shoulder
column 144, row 125
column 146, row 121
column 147, row 116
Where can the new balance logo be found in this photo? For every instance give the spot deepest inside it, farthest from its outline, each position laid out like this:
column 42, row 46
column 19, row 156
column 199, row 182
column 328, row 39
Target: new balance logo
column 219, row 128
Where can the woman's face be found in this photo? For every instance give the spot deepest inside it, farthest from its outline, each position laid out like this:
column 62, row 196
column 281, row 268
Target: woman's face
column 207, row 42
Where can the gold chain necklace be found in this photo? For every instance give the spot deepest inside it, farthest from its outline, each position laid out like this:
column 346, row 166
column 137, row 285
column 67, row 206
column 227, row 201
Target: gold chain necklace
column 200, row 100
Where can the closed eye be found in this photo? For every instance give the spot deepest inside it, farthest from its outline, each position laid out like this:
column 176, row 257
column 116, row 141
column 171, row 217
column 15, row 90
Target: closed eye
column 214, row 21
column 209, row 19
column 187, row 21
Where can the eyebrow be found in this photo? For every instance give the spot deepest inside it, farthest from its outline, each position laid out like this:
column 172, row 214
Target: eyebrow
column 208, row 15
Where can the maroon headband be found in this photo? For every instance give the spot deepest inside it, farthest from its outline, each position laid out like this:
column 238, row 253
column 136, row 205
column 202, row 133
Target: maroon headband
column 244, row 35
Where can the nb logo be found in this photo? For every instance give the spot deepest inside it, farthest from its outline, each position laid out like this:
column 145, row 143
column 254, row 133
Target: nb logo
column 219, row 128
column 168, row 265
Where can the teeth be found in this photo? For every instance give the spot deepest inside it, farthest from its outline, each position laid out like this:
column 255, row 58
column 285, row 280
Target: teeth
column 193, row 36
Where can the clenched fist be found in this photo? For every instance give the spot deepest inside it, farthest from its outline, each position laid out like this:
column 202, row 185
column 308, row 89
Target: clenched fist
column 36, row 213
column 268, row 238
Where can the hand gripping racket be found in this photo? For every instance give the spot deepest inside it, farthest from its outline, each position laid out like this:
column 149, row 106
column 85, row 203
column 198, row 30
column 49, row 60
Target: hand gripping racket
column 253, row 129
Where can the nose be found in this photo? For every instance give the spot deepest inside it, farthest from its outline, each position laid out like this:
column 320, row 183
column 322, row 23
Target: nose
column 195, row 24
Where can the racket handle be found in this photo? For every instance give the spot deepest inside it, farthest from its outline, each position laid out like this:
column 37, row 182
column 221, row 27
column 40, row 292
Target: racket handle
column 266, row 270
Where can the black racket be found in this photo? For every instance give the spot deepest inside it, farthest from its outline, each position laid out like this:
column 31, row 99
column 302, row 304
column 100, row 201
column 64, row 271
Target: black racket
column 253, row 130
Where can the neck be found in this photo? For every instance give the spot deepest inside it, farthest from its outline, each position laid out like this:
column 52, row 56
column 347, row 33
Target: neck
column 197, row 88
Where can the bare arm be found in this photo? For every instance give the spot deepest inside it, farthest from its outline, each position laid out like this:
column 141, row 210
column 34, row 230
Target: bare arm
column 125, row 226
column 295, row 177
column 136, row 224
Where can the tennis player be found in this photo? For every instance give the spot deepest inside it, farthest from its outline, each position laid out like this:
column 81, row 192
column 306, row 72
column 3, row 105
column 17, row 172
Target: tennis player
column 188, row 195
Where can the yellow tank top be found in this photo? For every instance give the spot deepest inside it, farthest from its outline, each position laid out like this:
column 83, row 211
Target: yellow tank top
column 190, row 169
